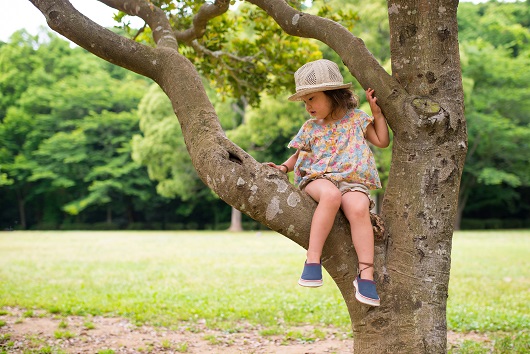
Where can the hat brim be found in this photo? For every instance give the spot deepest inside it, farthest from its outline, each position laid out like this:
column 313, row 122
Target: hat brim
column 299, row 94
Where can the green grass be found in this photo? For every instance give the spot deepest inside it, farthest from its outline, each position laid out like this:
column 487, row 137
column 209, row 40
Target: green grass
column 489, row 288
column 501, row 343
column 163, row 278
column 89, row 325
column 63, row 334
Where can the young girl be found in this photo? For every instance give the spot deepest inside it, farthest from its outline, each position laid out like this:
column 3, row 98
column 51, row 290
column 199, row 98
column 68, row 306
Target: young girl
column 335, row 166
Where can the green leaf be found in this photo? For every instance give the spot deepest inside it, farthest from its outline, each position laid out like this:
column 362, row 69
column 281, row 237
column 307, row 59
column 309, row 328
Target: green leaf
column 492, row 176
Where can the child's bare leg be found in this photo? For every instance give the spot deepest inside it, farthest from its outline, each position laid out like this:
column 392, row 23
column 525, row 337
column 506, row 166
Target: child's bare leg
column 328, row 197
column 355, row 206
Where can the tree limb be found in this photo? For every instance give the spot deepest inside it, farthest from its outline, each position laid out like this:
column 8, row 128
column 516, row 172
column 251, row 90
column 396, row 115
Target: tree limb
column 219, row 53
column 205, row 14
column 154, row 17
column 63, row 18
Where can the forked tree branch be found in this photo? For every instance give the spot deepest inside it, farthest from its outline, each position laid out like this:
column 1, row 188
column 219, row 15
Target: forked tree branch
column 205, row 14
column 157, row 19
column 154, row 17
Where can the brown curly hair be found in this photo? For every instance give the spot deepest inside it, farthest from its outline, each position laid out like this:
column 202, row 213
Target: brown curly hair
column 342, row 98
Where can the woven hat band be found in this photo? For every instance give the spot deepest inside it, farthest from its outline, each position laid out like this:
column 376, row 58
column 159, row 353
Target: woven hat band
column 319, row 75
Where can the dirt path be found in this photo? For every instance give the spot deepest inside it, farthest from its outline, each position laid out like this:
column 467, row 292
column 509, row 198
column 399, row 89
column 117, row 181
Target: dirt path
column 45, row 333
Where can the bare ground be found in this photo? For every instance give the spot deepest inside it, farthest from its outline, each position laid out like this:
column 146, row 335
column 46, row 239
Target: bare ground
column 45, row 333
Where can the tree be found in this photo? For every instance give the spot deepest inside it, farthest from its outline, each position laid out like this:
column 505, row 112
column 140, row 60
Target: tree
column 495, row 56
column 65, row 128
column 161, row 149
column 26, row 105
column 422, row 100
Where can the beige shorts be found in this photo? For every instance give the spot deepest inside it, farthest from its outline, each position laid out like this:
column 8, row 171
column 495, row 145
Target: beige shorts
column 345, row 187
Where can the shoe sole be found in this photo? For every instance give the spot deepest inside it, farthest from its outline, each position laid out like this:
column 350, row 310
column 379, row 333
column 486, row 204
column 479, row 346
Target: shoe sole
column 310, row 283
column 363, row 299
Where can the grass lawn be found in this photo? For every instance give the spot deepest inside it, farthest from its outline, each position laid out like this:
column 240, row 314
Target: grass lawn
column 489, row 288
column 163, row 278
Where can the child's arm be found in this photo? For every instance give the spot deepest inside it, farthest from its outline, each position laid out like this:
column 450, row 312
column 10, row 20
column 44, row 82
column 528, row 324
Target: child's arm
column 287, row 165
column 376, row 133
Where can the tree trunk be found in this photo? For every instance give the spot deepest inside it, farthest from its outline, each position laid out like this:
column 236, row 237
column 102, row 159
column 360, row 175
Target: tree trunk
column 423, row 103
column 420, row 203
column 463, row 195
column 130, row 212
column 21, row 202
column 109, row 214
column 235, row 221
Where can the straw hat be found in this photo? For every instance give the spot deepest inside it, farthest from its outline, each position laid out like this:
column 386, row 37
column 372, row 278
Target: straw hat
column 319, row 75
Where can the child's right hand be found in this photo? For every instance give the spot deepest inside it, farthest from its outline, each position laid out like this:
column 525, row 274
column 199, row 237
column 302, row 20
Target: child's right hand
column 278, row 167
column 273, row 165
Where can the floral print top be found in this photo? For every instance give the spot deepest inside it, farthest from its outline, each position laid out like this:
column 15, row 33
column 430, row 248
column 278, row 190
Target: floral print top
column 337, row 150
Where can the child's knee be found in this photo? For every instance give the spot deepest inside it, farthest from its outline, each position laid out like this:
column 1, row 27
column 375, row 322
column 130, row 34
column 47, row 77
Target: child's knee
column 332, row 197
column 357, row 208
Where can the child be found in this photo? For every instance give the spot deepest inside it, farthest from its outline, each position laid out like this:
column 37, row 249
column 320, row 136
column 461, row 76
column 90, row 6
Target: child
column 335, row 166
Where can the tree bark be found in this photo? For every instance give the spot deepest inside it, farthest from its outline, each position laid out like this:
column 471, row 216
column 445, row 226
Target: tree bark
column 109, row 214
column 420, row 203
column 21, row 202
column 235, row 221
column 423, row 103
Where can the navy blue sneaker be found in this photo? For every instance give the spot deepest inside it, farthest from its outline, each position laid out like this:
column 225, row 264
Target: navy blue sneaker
column 365, row 291
column 312, row 275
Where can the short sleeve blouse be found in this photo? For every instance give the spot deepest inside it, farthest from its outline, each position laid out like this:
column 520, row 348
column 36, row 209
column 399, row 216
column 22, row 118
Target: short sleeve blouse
column 337, row 150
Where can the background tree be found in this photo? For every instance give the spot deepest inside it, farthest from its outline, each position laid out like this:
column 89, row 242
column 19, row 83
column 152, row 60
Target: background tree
column 495, row 52
column 65, row 134
column 423, row 101
column 27, row 123
column 161, row 149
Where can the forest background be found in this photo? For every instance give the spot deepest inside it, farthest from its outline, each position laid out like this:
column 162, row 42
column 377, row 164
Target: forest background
column 88, row 145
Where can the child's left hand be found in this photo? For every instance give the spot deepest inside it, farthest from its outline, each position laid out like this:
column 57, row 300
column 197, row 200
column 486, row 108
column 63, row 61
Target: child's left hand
column 376, row 133
column 372, row 100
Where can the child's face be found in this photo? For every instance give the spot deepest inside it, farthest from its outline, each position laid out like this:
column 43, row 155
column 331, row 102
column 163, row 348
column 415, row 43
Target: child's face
column 318, row 105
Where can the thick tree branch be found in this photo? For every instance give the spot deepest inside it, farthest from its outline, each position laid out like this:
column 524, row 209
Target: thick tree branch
column 63, row 18
column 152, row 15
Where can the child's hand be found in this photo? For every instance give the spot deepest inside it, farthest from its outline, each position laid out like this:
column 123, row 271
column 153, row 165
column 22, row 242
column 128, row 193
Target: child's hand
column 273, row 165
column 372, row 100
column 376, row 133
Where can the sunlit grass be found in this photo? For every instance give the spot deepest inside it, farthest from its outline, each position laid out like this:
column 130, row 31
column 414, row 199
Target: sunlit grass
column 489, row 288
column 163, row 278
column 490, row 281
